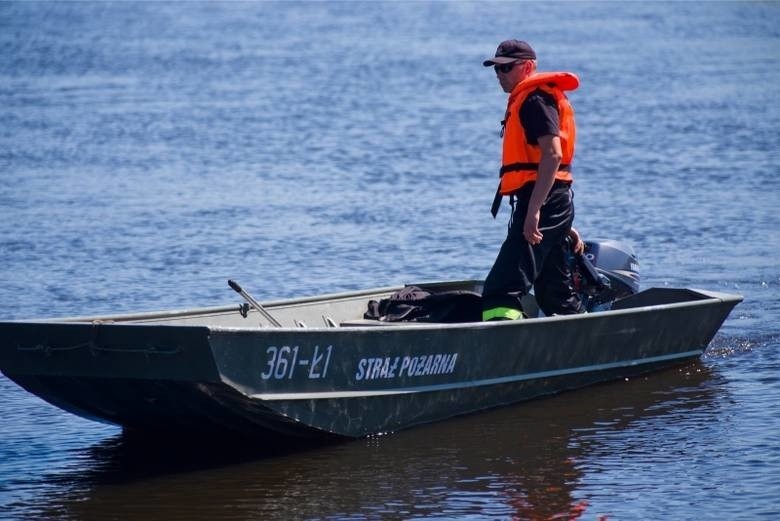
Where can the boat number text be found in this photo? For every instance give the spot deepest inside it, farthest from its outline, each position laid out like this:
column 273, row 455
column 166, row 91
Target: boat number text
column 283, row 362
column 398, row 366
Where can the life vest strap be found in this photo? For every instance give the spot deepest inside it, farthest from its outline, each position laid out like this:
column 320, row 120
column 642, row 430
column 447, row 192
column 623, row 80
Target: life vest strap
column 499, row 196
column 514, row 167
column 496, row 202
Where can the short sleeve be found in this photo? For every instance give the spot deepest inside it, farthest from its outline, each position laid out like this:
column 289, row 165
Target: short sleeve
column 539, row 117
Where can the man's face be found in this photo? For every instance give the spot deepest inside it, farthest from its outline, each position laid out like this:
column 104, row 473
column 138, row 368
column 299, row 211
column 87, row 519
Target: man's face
column 510, row 74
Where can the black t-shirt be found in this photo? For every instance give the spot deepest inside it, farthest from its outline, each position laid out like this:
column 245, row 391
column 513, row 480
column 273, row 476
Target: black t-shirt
column 539, row 116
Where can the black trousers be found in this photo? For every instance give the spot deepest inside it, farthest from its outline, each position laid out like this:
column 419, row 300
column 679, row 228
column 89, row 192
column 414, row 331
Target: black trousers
column 544, row 267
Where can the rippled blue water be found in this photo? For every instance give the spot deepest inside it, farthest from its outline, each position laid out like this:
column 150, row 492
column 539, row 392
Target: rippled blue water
column 150, row 151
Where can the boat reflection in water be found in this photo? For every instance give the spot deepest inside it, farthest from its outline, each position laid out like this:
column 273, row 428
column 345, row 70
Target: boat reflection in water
column 528, row 461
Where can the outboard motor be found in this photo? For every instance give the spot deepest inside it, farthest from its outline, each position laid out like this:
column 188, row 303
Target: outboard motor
column 606, row 272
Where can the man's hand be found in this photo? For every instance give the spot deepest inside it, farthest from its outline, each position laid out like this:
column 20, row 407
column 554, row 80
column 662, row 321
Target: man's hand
column 531, row 228
column 576, row 242
column 550, row 147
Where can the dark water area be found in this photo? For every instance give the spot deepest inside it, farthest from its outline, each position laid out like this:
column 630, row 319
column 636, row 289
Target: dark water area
column 151, row 151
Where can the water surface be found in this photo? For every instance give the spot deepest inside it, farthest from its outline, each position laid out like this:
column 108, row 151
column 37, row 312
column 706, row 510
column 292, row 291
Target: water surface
column 151, row 151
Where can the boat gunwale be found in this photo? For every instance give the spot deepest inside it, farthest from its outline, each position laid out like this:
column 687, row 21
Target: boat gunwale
column 709, row 299
column 138, row 319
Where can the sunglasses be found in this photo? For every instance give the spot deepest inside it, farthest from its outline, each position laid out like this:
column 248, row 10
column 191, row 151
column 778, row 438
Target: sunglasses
column 504, row 67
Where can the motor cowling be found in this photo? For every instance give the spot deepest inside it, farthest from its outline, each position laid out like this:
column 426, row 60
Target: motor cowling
column 606, row 272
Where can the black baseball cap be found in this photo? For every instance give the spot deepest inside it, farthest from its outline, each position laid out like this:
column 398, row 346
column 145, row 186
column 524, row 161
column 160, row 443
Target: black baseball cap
column 511, row 51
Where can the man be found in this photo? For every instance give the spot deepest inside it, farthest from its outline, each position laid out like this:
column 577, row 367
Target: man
column 538, row 148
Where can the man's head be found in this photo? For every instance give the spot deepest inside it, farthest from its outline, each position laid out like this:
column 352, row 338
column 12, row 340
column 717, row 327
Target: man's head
column 514, row 61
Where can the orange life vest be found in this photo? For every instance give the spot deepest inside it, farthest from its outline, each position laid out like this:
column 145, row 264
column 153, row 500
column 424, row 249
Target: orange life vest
column 520, row 160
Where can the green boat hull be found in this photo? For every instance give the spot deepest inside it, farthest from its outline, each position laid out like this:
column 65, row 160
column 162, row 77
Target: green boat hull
column 216, row 371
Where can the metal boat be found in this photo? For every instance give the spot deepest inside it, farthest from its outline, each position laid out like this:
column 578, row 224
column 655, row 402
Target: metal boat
column 315, row 367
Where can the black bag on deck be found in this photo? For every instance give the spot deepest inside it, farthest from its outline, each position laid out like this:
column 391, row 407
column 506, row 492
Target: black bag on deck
column 413, row 304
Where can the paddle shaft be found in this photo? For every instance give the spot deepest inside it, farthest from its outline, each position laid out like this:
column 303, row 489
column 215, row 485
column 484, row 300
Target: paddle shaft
column 255, row 304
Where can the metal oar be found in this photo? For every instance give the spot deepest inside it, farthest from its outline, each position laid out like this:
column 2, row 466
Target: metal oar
column 255, row 304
